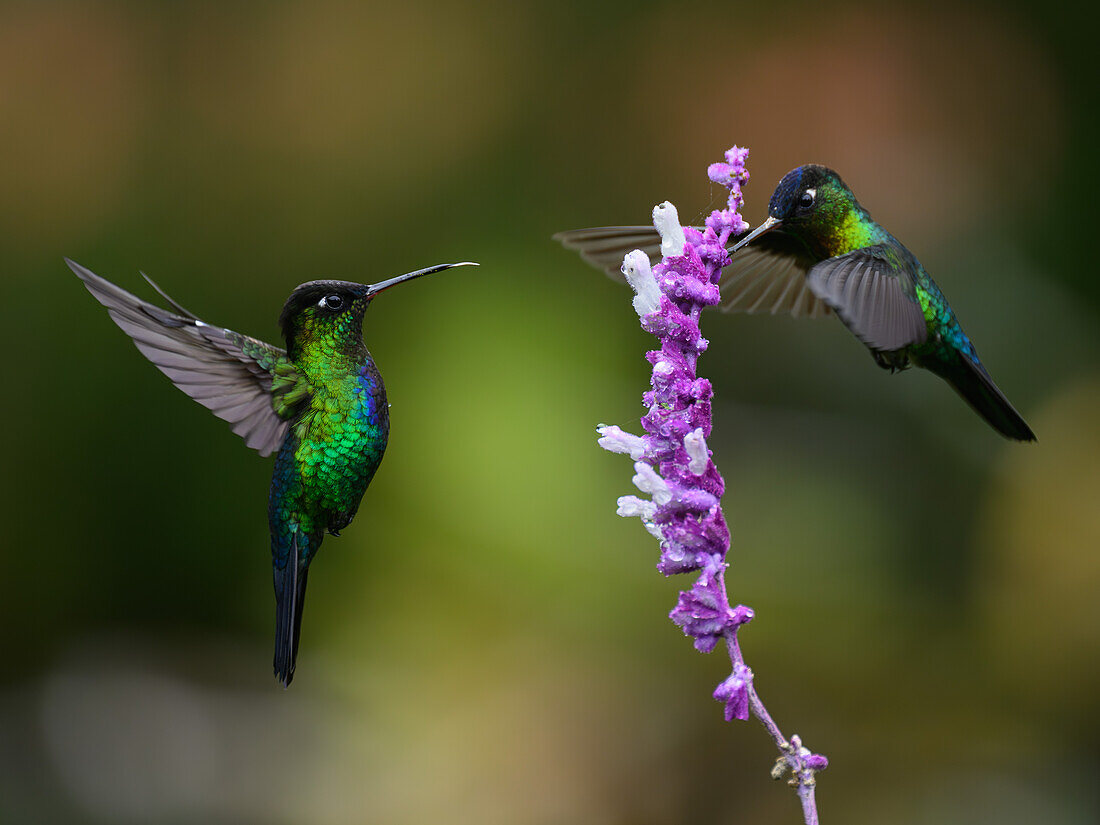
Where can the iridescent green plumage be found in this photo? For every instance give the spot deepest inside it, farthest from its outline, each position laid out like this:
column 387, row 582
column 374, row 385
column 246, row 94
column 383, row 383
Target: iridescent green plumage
column 321, row 403
column 333, row 448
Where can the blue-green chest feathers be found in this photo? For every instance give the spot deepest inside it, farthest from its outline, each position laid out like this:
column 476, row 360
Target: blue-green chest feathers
column 341, row 439
column 331, row 453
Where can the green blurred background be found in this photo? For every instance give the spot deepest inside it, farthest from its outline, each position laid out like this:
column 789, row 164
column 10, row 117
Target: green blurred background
column 488, row 643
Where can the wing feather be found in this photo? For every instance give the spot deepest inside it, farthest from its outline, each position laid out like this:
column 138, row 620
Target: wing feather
column 230, row 374
column 605, row 246
column 874, row 297
column 768, row 275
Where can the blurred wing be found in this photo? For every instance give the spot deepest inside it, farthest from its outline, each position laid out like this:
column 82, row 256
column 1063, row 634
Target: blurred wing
column 605, row 246
column 239, row 379
column 874, row 297
column 768, row 275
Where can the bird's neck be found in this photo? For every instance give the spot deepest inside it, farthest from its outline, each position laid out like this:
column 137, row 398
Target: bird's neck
column 324, row 359
column 846, row 231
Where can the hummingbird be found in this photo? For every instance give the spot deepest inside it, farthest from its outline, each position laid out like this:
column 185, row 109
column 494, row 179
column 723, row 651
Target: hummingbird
column 319, row 405
column 819, row 252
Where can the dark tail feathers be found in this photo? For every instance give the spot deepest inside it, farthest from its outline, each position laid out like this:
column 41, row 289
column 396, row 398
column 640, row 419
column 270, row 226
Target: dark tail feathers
column 973, row 383
column 290, row 596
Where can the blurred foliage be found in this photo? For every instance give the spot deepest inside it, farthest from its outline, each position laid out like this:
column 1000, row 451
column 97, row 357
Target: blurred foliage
column 488, row 643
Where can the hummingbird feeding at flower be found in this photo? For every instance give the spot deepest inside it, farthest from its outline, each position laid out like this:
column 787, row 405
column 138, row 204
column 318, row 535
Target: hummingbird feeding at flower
column 320, row 405
column 819, row 252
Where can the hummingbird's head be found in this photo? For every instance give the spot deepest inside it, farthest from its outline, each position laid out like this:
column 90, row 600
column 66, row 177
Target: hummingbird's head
column 810, row 202
column 323, row 309
column 809, row 194
column 332, row 311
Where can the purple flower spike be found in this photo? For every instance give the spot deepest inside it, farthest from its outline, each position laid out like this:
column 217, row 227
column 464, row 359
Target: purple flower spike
column 681, row 488
column 673, row 464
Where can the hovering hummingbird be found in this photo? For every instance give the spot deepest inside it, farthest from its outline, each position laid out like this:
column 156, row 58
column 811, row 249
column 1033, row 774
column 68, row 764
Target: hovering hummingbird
column 320, row 404
column 820, row 252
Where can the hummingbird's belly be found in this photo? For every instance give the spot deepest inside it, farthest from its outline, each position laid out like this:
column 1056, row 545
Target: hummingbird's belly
column 340, row 449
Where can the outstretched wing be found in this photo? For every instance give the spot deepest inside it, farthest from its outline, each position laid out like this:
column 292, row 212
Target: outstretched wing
column 242, row 380
column 874, row 295
column 604, row 247
column 768, row 275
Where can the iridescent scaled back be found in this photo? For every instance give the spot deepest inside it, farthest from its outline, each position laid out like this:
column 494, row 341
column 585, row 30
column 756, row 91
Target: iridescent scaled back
column 857, row 230
column 946, row 334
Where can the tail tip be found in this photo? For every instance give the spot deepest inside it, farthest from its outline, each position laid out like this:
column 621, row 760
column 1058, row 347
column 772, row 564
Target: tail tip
column 284, row 675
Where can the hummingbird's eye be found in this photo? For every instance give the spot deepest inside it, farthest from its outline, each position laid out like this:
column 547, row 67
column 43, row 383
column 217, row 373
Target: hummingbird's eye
column 333, row 301
column 807, row 199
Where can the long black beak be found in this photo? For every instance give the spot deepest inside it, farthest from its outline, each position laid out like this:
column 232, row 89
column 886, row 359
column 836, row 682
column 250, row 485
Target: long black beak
column 767, row 226
column 382, row 286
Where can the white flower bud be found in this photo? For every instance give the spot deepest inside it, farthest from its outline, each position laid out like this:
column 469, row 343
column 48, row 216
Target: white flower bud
column 616, row 440
column 648, row 481
column 632, row 506
column 698, row 454
column 667, row 223
column 639, row 275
